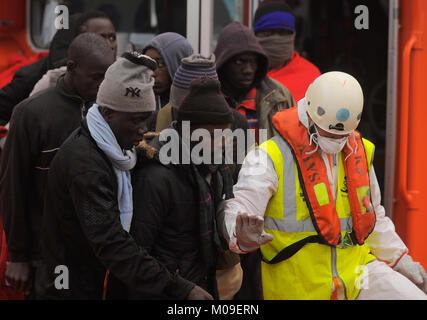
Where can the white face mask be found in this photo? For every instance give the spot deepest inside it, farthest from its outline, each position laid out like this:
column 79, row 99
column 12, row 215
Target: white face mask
column 330, row 145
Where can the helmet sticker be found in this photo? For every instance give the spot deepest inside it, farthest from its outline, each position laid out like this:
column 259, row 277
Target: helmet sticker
column 343, row 115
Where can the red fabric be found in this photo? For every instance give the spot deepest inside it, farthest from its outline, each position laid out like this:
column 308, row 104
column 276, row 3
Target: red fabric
column 297, row 75
column 248, row 103
column 3, row 132
column 248, row 108
column 16, row 61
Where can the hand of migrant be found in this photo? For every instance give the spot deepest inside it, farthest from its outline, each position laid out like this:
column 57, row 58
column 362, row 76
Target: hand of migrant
column 18, row 275
column 198, row 293
column 250, row 232
column 413, row 271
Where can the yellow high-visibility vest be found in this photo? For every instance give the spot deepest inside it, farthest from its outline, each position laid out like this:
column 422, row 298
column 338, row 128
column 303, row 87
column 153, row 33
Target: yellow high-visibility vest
column 310, row 272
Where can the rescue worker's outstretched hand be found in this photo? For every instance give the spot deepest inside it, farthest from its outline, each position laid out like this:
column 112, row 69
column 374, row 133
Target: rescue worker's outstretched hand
column 250, row 232
column 413, row 271
column 198, row 293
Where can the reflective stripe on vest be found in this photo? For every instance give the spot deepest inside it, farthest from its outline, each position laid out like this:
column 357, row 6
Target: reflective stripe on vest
column 312, row 174
column 311, row 269
column 289, row 222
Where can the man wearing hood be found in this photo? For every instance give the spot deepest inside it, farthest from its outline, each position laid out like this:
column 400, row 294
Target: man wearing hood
column 242, row 67
column 167, row 49
column 274, row 26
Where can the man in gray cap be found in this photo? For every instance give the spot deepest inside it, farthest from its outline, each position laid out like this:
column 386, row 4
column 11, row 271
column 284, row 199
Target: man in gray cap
column 89, row 200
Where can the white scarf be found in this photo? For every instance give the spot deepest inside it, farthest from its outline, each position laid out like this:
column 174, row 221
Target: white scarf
column 122, row 161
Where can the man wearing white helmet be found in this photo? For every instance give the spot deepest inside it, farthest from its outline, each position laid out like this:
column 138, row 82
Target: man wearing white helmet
column 310, row 200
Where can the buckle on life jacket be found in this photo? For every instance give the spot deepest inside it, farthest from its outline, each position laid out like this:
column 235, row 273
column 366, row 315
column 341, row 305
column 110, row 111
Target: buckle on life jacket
column 347, row 241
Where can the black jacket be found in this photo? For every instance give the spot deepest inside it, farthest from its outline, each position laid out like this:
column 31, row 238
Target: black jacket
column 166, row 218
column 82, row 230
column 20, row 87
column 39, row 125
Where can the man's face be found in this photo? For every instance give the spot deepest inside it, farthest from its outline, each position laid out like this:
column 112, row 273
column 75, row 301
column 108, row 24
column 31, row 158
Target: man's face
column 104, row 27
column 87, row 75
column 216, row 145
column 163, row 82
column 240, row 71
column 128, row 127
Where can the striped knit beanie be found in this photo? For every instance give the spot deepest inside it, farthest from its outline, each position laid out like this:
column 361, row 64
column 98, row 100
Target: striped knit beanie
column 193, row 67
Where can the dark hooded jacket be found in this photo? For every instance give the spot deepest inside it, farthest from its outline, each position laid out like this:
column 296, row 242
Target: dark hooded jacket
column 236, row 39
column 39, row 125
column 82, row 231
column 173, row 48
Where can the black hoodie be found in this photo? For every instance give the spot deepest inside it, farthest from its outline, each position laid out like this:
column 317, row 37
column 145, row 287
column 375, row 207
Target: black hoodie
column 236, row 39
column 271, row 97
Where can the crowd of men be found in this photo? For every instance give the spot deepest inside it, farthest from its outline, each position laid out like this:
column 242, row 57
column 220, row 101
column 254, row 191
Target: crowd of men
column 83, row 183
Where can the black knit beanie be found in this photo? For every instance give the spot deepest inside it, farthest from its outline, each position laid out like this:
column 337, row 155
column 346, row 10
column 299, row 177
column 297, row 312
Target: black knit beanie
column 205, row 104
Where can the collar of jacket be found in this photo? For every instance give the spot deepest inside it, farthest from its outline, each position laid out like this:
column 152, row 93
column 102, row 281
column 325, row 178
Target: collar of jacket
column 148, row 152
column 65, row 90
column 85, row 132
column 267, row 91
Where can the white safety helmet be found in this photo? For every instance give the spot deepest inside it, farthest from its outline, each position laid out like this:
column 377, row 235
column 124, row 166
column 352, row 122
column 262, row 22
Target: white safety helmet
column 335, row 102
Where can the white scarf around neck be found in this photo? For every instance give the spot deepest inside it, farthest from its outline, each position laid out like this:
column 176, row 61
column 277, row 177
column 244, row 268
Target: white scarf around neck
column 122, row 161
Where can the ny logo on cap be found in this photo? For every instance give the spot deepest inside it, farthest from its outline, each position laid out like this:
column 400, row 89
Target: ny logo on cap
column 133, row 91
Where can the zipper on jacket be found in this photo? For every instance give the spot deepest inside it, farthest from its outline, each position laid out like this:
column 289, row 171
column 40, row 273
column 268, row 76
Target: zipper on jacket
column 334, row 270
column 83, row 110
column 158, row 103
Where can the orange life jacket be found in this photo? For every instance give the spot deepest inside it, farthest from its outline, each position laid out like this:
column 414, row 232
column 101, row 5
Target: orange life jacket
column 314, row 180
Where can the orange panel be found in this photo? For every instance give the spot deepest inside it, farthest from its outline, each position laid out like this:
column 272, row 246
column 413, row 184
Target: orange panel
column 411, row 173
column 13, row 37
column 12, row 15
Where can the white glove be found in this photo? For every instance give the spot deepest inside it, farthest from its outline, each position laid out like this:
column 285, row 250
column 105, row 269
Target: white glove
column 413, row 271
column 250, row 232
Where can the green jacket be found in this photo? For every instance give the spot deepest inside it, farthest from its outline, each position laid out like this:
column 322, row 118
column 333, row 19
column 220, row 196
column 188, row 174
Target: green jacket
column 271, row 97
